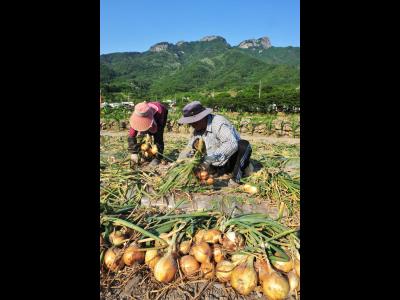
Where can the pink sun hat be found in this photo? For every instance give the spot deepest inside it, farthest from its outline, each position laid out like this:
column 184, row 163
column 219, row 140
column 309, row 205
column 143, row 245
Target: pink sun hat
column 142, row 117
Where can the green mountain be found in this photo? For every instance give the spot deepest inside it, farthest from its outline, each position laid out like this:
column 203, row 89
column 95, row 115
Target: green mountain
column 210, row 64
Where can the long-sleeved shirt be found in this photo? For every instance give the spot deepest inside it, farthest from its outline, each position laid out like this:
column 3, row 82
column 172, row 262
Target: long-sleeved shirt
column 220, row 137
column 160, row 118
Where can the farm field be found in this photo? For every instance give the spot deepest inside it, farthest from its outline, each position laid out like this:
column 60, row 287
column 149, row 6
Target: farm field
column 142, row 210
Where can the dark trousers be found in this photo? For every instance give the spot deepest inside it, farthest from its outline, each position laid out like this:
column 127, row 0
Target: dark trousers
column 238, row 162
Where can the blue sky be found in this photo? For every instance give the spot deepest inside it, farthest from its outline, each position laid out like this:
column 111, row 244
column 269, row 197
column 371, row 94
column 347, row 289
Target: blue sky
column 135, row 25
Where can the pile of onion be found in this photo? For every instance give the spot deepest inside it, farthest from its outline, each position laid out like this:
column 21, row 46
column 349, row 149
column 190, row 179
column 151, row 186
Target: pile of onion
column 205, row 177
column 149, row 150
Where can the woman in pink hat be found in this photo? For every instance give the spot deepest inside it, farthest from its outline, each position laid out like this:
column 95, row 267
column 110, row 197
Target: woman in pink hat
column 147, row 118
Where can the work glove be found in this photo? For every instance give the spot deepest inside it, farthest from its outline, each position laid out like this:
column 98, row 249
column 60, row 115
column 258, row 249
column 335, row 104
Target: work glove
column 207, row 162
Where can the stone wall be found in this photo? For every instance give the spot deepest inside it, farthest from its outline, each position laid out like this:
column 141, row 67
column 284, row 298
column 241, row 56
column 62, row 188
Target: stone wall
column 278, row 127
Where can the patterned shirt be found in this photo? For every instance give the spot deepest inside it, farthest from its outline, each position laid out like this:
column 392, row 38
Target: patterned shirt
column 220, row 137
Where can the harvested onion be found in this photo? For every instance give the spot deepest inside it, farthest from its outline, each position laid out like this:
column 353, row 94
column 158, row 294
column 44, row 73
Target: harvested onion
column 189, row 265
column 212, row 236
column 151, row 258
column 166, row 267
column 202, row 252
column 198, row 237
column 275, row 286
column 284, row 266
column 217, row 253
column 184, row 247
column 223, row 270
column 244, row 277
column 154, row 150
column 250, row 189
column 207, row 269
column 210, row 181
column 203, row 175
column 239, row 258
column 297, row 266
column 145, row 147
column 294, row 281
column 116, row 237
column 113, row 259
column 132, row 255
column 263, row 269
column 232, row 241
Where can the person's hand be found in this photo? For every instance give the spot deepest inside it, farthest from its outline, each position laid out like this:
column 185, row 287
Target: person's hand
column 195, row 143
column 135, row 158
column 191, row 153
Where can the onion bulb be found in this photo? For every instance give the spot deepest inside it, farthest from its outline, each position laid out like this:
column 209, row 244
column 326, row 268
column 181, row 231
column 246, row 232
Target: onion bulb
column 223, row 270
column 284, row 266
column 250, row 189
column 232, row 241
column 275, row 286
column 166, row 267
column 263, row 269
column 207, row 269
column 203, row 175
column 198, row 237
column 212, row 236
column 217, row 253
column 210, row 181
column 151, row 258
column 184, row 247
column 244, row 277
column 239, row 258
column 132, row 255
column 127, row 231
column 112, row 259
column 145, row 147
column 154, row 150
column 189, row 265
column 297, row 266
column 202, row 252
column 294, row 281
column 116, row 237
